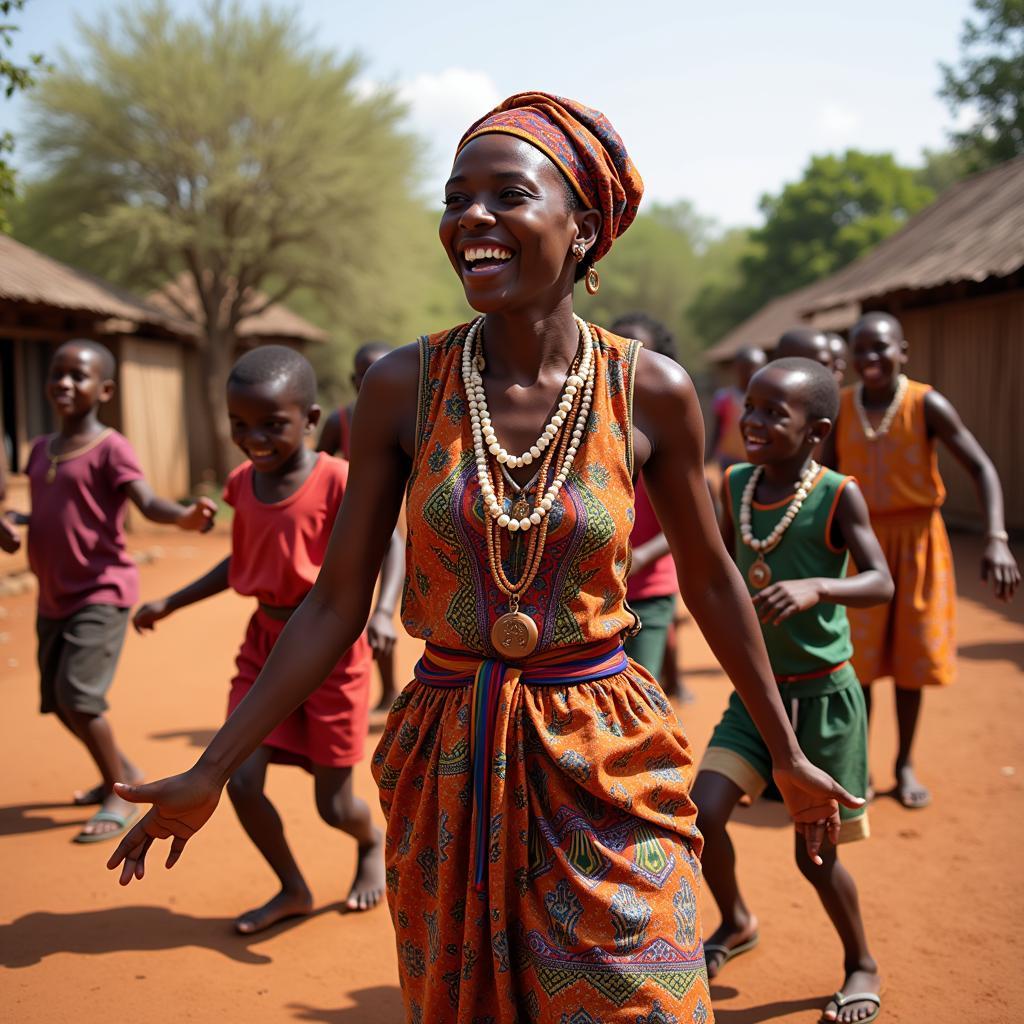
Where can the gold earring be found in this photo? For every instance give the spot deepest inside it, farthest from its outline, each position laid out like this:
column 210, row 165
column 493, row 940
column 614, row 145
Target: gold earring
column 578, row 252
column 592, row 281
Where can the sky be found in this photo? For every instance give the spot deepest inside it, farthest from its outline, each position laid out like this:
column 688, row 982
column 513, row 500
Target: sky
column 717, row 104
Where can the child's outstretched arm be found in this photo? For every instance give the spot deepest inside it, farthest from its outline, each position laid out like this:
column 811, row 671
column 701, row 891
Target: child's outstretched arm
column 214, row 582
column 871, row 585
column 197, row 516
column 997, row 563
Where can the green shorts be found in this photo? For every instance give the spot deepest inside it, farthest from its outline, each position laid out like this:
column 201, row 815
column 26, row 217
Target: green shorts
column 647, row 648
column 830, row 720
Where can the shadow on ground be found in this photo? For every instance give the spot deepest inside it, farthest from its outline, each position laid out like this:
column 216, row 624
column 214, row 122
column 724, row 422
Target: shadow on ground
column 767, row 1012
column 34, row 937
column 196, row 737
column 998, row 650
column 19, row 819
column 379, row 1005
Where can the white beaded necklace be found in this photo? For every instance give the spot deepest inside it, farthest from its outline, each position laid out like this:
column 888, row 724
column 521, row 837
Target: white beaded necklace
column 486, row 442
column 759, row 574
column 874, row 433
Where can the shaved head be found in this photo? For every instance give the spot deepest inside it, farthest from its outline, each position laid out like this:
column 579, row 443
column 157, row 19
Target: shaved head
column 883, row 324
column 274, row 364
column 804, row 343
column 104, row 357
column 817, row 388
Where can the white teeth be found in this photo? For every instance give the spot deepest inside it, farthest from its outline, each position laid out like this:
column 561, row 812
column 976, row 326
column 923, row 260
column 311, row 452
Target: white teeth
column 472, row 255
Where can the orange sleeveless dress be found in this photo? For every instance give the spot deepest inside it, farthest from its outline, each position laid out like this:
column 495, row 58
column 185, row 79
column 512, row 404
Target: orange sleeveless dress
column 913, row 638
column 542, row 856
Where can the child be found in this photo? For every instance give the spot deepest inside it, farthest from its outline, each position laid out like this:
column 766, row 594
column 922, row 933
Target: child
column 840, row 356
column 726, row 442
column 653, row 585
column 794, row 559
column 886, row 437
column 805, row 343
column 285, row 499
column 80, row 480
column 334, row 440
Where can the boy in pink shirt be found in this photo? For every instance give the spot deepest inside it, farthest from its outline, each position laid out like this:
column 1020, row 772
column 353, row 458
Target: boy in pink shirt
column 80, row 480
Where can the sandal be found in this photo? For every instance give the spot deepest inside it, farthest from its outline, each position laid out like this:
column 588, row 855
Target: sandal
column 121, row 820
column 729, row 952
column 857, row 997
column 88, row 797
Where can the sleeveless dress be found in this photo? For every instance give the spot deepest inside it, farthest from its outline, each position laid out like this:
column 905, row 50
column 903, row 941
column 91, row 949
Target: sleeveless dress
column 912, row 638
column 542, row 855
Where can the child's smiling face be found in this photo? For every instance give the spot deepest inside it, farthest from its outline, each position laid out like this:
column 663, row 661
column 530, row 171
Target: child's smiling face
column 878, row 352
column 76, row 381
column 775, row 423
column 269, row 422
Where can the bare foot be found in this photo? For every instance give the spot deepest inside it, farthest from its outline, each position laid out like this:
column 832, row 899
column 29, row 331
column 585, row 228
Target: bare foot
column 119, row 812
column 910, row 791
column 856, row 1009
column 368, row 885
column 284, row 905
column 724, row 944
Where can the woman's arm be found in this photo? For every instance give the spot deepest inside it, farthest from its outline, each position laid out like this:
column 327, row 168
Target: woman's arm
column 669, row 446
column 997, row 563
column 324, row 626
column 871, row 585
column 214, row 582
column 380, row 630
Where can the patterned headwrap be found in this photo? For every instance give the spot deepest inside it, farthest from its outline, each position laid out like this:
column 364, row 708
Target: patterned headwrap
column 585, row 148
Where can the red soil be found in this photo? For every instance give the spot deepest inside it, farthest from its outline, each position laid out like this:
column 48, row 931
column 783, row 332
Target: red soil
column 940, row 888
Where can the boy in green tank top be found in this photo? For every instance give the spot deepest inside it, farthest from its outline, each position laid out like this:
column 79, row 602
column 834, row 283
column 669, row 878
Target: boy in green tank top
column 792, row 525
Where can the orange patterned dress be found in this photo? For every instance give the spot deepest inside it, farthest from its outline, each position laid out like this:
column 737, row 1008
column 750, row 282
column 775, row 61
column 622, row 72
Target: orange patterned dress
column 542, row 856
column 913, row 637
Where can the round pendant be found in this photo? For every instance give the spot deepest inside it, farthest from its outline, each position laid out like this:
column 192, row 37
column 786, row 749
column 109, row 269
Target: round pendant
column 514, row 635
column 521, row 509
column 759, row 574
column 51, row 473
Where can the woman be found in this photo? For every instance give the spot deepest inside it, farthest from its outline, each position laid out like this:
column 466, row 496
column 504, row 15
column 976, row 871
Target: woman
column 541, row 851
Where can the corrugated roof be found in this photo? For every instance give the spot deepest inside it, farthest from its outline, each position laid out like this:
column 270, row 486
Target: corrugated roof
column 29, row 276
column 276, row 321
column 766, row 326
column 973, row 231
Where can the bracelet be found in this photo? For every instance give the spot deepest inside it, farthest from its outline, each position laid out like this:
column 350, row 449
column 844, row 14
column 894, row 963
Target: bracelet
column 998, row 535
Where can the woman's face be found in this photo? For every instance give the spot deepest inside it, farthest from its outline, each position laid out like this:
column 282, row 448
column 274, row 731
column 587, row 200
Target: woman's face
column 507, row 227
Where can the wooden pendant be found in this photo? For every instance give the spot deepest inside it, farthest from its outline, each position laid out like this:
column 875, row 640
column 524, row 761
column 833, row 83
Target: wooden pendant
column 51, row 473
column 759, row 574
column 514, row 635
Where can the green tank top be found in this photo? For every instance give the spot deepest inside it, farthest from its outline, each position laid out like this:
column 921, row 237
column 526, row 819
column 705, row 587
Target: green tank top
column 818, row 639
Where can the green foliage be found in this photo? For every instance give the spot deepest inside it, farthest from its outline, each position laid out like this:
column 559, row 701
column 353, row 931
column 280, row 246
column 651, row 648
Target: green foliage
column 230, row 146
column 989, row 83
column 13, row 77
column 840, row 208
column 942, row 168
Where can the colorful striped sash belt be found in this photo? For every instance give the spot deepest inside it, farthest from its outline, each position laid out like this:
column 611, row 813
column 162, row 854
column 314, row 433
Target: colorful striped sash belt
column 446, row 669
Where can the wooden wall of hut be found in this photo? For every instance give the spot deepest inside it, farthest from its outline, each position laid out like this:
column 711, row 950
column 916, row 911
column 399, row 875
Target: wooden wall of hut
column 973, row 352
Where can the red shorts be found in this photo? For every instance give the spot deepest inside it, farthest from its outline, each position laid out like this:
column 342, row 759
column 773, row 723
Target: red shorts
column 331, row 725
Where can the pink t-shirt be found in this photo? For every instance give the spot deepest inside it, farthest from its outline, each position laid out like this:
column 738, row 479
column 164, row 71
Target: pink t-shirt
column 76, row 544
column 659, row 578
column 277, row 549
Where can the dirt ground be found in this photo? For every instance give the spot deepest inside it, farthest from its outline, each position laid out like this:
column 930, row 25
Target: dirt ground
column 940, row 888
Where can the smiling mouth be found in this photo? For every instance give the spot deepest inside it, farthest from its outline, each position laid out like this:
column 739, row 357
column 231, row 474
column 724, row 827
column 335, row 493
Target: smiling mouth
column 478, row 259
column 260, row 453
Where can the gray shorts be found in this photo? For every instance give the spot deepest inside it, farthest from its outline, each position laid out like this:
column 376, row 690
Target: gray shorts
column 78, row 656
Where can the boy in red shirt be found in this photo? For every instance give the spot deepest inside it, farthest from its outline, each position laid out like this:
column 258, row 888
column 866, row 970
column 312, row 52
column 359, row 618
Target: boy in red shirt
column 285, row 499
column 80, row 481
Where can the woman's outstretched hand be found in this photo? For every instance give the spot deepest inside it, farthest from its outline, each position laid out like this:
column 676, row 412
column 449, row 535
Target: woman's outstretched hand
column 812, row 798
column 182, row 804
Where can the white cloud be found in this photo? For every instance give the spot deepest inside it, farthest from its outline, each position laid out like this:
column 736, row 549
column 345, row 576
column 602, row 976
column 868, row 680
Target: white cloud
column 838, row 125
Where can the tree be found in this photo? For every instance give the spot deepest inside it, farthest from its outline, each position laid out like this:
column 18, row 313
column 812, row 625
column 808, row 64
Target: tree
column 989, row 83
column 13, row 77
column 840, row 208
column 228, row 146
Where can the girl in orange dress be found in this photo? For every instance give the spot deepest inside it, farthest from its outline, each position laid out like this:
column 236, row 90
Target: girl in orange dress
column 886, row 437
column 542, row 859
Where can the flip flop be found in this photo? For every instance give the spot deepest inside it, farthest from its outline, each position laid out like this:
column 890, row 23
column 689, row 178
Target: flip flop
column 88, row 797
column 734, row 951
column 122, row 822
column 856, row 997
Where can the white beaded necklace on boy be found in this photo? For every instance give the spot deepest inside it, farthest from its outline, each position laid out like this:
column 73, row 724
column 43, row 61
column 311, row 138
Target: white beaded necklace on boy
column 759, row 574
column 874, row 433
column 485, row 440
